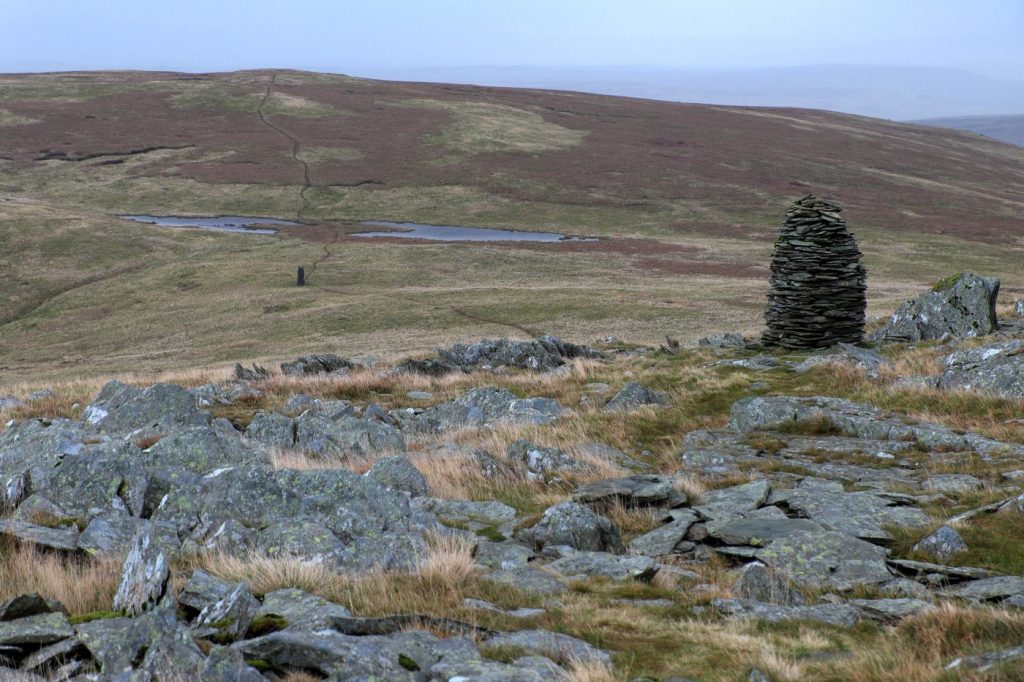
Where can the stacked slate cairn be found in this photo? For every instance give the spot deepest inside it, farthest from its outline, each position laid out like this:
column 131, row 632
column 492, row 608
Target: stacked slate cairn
column 818, row 281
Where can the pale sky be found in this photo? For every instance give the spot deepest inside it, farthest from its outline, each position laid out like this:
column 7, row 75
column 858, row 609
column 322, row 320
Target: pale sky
column 985, row 36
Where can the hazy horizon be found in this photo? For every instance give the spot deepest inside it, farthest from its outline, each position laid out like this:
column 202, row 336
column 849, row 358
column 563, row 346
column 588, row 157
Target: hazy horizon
column 646, row 48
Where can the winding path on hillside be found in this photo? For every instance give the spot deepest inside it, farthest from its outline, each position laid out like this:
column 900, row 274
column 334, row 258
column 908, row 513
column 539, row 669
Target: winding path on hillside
column 307, row 181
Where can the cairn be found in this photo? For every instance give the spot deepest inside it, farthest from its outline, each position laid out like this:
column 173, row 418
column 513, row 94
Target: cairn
column 818, row 281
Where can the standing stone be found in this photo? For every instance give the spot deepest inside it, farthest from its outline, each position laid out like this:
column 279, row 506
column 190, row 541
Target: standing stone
column 300, row 278
column 818, row 281
column 144, row 576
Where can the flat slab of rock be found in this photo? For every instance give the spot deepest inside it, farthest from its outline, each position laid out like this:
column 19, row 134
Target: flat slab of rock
column 666, row 538
column 604, row 565
column 997, row 369
column 732, row 502
column 890, row 610
column 758, row 532
column 527, row 579
column 988, row 589
column 634, row 396
column 827, row 559
column 44, row 628
column 63, row 539
column 144, row 576
column 843, row 615
column 642, row 490
column 553, row 645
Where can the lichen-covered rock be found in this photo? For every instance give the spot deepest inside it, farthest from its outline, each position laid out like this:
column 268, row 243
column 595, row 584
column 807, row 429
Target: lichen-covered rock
column 528, row 579
column 120, row 408
column 293, row 608
column 942, row 545
column 759, row 583
column 826, row 559
column 997, row 369
column 231, row 615
column 641, row 490
column 542, row 354
column 958, row 307
column 64, row 539
column 842, row 615
column 634, row 396
column 541, row 462
column 666, row 538
column 732, row 502
column 605, row 565
column 39, row 629
column 576, row 526
column 485, row 407
column 273, row 429
column 556, row 646
column 144, row 575
column 398, row 473
column 345, row 436
column 307, row 365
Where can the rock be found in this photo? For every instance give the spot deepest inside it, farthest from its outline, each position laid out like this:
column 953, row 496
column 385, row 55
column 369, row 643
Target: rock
column 120, row 408
column 40, row 629
column 891, row 610
column 868, row 361
column 759, row 583
column 501, row 555
column 486, row 407
column 398, row 473
column 987, row 660
column 293, row 608
column 144, row 576
column 203, row 590
column 47, row 658
column 345, row 436
column 604, row 452
column 988, row 589
column 818, row 281
column 853, row 419
column 757, row 532
column 556, row 646
column 307, row 365
column 419, row 395
column 729, row 340
column 540, row 462
column 958, row 307
column 231, row 615
column 664, row 539
column 542, row 354
column 996, row 369
column 842, row 615
column 732, row 502
column 942, row 545
column 528, row 579
column 642, row 490
column 430, row 368
column 826, row 559
column 864, row 515
column 487, row 516
column 952, row 483
column 604, row 565
column 26, row 605
column 63, row 539
column 273, row 429
column 634, row 396
column 112, row 533
column 924, row 569
column 228, row 665
column 575, row 525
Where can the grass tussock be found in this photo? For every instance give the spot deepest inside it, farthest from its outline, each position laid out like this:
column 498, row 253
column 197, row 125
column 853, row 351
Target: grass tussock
column 82, row 585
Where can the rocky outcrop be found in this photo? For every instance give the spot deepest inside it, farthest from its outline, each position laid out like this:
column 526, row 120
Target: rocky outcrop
column 308, row 365
column 542, row 354
column 818, row 281
column 996, row 369
column 958, row 307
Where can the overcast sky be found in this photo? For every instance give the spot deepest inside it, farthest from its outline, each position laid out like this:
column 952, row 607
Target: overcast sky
column 985, row 36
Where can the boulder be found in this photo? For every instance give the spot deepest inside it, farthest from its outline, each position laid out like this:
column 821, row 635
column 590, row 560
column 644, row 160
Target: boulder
column 642, row 490
column 540, row 462
column 605, row 565
column 298, row 610
column 144, row 576
column 345, row 436
column 120, row 408
column 231, row 615
column 734, row 501
column 826, row 559
column 666, row 538
column 759, row 583
column 528, row 579
column 576, row 526
column 273, row 429
column 958, row 307
column 308, row 365
column 398, row 473
column 995, row 369
column 634, row 396
column 486, row 407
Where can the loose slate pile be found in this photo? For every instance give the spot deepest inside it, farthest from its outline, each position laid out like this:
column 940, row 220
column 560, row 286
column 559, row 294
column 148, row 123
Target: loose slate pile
column 818, row 280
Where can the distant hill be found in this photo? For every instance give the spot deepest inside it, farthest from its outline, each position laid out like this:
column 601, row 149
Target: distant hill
column 685, row 201
column 1005, row 128
column 894, row 92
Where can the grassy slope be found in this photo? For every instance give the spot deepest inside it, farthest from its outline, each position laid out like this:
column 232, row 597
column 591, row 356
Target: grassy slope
column 688, row 196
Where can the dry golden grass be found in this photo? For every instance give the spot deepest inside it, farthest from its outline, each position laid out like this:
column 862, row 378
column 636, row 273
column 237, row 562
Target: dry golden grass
column 588, row 671
column 81, row 585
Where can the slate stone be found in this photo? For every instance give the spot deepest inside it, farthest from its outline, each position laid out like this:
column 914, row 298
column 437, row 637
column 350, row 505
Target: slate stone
column 203, row 590
column 966, row 307
column 553, row 645
column 842, row 615
column 942, row 545
column 605, row 565
column 471, row 515
column 826, row 559
column 119, row 408
column 228, row 665
column 144, row 576
column 542, row 354
column 664, row 539
column 641, row 490
column 891, row 610
column 488, row 407
column 40, row 629
column 272, row 429
column 398, row 473
column 634, row 396
column 987, row 661
column 732, row 502
column 988, row 589
column 575, row 525
column 301, row 610
column 527, row 579
column 62, row 539
column 759, row 583
column 952, row 483
column 996, row 369
column 860, row 514
column 308, row 365
column 319, row 434
column 231, row 615
column 818, row 281
column 26, row 605
column 541, row 462
column 758, row 532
